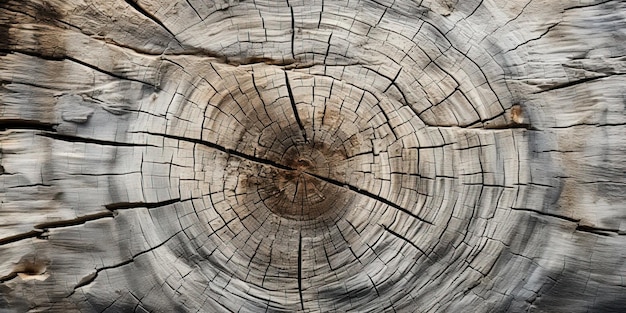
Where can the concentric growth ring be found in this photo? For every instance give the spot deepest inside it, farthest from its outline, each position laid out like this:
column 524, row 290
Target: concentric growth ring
column 342, row 164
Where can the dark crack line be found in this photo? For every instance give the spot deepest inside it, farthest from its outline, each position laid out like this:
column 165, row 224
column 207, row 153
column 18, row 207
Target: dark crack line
column 139, row 303
column 511, row 126
column 40, row 229
column 585, row 125
column 476, row 8
column 293, row 32
column 369, row 195
column 406, row 240
column 300, row 270
column 456, row 88
column 134, row 205
column 295, row 192
column 8, row 277
column 393, row 83
column 569, row 219
column 382, row 15
column 572, row 83
column 77, row 61
column 516, row 16
column 70, row 138
column 294, row 108
column 258, row 92
column 31, row 234
column 286, row 168
column 75, row 221
column 222, row 149
column 328, row 43
column 535, row 39
column 90, row 278
column 586, row 6
column 6, row 124
column 373, row 285
column 480, row 68
column 194, row 9
column 103, row 174
column 600, row 231
column 150, row 16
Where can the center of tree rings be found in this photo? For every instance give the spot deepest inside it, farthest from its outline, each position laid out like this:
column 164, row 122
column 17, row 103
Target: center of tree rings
column 300, row 192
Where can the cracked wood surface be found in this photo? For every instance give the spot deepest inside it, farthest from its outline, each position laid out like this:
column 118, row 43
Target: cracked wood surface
column 317, row 156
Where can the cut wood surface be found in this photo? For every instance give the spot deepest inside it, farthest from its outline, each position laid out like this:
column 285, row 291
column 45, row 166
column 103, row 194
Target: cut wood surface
column 312, row 156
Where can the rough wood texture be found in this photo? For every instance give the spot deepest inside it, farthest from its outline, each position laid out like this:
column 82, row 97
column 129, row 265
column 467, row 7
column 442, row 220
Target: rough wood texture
column 317, row 156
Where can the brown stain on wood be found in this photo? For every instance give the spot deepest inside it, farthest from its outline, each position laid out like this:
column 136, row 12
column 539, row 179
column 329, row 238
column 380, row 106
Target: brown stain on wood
column 517, row 114
column 31, row 267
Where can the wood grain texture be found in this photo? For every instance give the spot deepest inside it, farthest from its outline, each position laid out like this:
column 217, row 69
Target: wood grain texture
column 312, row 156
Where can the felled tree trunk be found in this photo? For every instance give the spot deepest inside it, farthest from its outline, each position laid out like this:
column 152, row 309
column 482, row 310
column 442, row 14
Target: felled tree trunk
column 317, row 156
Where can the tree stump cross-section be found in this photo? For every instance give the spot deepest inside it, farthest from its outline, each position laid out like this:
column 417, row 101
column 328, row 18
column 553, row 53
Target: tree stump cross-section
column 312, row 156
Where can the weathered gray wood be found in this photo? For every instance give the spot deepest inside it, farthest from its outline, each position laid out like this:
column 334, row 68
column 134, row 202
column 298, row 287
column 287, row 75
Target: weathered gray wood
column 316, row 156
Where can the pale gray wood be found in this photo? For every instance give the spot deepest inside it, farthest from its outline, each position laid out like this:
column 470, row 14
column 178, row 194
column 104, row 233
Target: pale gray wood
column 316, row 156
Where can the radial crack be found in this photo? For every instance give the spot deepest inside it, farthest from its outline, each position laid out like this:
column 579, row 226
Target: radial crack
column 41, row 228
column 406, row 240
column 569, row 219
column 62, row 58
column 223, row 149
column 300, row 270
column 8, row 277
column 194, row 9
column 69, row 138
column 6, row 124
column 599, row 231
column 18, row 237
column 91, row 277
column 369, row 195
column 535, row 39
column 571, row 83
column 587, row 5
column 75, row 221
column 133, row 205
column 294, row 108
column 293, row 33
column 151, row 16
column 283, row 167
